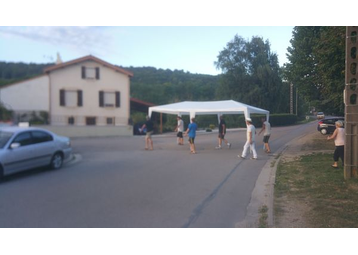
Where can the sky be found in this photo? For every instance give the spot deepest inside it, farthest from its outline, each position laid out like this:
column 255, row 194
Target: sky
column 192, row 49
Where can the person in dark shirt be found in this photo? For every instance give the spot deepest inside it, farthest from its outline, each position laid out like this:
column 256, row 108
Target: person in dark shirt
column 148, row 137
column 222, row 132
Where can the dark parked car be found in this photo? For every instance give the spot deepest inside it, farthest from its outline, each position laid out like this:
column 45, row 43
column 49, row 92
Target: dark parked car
column 327, row 125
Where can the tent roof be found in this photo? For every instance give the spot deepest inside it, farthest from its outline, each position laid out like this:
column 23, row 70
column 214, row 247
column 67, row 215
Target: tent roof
column 205, row 108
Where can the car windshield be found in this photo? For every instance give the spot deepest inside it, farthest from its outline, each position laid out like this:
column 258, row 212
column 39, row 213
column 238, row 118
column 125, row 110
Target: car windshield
column 4, row 138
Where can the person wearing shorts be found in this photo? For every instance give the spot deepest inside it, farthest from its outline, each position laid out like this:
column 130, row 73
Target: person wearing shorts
column 191, row 132
column 180, row 129
column 148, row 137
column 266, row 128
column 222, row 132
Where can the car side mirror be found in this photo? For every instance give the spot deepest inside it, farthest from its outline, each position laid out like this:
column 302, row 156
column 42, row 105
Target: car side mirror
column 15, row 146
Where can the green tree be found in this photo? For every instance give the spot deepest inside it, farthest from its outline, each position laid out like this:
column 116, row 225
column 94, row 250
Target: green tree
column 161, row 86
column 251, row 74
column 316, row 66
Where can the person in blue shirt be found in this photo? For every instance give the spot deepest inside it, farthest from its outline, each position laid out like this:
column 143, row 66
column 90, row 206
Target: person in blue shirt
column 191, row 132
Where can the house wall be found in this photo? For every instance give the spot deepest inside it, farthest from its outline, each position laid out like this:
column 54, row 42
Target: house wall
column 70, row 78
column 25, row 96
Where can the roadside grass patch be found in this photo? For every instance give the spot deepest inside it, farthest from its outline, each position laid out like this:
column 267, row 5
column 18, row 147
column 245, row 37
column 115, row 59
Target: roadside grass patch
column 319, row 142
column 332, row 201
column 263, row 223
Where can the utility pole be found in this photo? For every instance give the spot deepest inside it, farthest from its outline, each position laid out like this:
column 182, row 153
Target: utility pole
column 351, row 106
column 296, row 101
column 291, row 98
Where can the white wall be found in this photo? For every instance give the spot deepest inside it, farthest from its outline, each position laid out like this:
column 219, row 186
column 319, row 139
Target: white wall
column 29, row 95
column 69, row 78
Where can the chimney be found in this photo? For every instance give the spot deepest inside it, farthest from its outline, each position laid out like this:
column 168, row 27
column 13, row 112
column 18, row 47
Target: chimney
column 59, row 60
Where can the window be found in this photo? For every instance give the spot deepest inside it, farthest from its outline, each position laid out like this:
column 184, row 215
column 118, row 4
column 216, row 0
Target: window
column 71, row 98
column 71, row 121
column 23, row 139
column 109, row 99
column 41, row 137
column 90, row 72
column 90, row 121
column 110, row 121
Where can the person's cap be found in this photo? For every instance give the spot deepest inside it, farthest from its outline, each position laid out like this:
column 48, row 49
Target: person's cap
column 249, row 119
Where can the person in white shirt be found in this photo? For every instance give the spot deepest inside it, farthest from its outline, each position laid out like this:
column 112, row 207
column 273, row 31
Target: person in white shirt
column 250, row 143
column 266, row 128
column 180, row 130
column 338, row 136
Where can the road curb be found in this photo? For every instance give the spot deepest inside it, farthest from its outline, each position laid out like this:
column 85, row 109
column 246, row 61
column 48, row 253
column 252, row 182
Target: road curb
column 263, row 192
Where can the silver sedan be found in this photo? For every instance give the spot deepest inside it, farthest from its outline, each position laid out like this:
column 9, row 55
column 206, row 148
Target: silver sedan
column 26, row 148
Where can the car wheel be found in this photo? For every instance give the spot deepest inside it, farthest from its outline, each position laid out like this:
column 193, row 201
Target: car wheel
column 56, row 161
column 323, row 131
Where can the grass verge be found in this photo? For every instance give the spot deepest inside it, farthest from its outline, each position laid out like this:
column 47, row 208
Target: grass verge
column 329, row 200
column 263, row 223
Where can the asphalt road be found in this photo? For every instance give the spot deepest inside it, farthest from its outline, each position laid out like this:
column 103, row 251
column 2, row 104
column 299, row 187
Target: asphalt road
column 119, row 184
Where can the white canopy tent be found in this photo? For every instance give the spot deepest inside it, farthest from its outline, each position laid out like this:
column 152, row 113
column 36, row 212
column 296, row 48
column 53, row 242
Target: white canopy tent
column 208, row 108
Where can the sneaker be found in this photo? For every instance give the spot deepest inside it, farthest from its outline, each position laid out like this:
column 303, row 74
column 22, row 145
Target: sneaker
column 254, row 158
column 239, row 156
column 218, row 147
column 229, row 145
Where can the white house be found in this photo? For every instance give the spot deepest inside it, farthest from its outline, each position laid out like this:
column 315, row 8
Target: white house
column 83, row 92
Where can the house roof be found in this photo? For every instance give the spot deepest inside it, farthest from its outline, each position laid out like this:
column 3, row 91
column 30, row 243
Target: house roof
column 135, row 100
column 22, row 80
column 139, row 105
column 86, row 58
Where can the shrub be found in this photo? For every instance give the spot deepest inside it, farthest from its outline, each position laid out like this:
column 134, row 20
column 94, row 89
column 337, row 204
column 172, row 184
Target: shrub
column 5, row 114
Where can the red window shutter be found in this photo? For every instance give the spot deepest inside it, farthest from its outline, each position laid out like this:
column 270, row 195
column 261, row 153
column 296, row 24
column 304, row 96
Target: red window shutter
column 101, row 99
column 79, row 98
column 118, row 99
column 62, row 98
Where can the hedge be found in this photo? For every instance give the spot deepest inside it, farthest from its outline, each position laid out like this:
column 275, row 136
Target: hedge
column 235, row 121
column 232, row 121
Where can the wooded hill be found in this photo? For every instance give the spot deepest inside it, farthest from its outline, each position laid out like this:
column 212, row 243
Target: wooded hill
column 149, row 84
